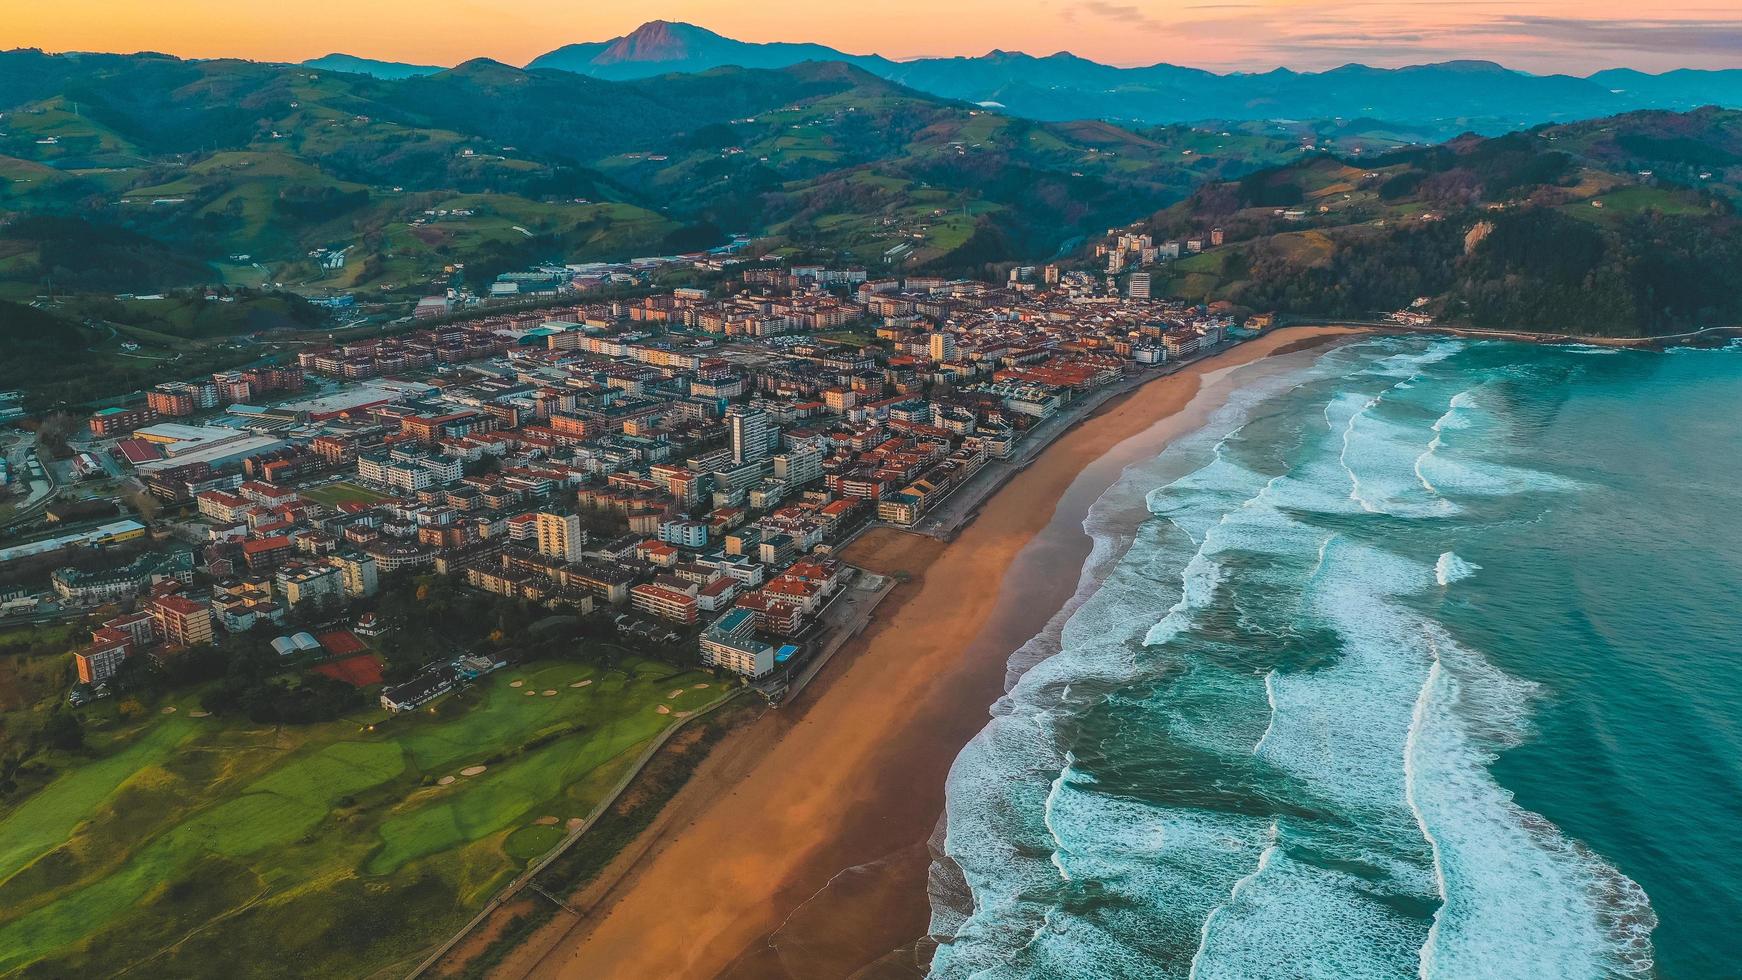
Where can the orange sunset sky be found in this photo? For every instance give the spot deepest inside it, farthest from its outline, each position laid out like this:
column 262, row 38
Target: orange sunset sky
column 1542, row 36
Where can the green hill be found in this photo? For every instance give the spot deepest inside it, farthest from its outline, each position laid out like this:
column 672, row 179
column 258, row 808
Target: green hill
column 1616, row 227
column 246, row 169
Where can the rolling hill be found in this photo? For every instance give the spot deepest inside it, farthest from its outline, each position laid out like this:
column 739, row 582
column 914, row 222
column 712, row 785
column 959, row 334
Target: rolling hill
column 247, row 172
column 248, row 176
column 1623, row 226
column 389, row 70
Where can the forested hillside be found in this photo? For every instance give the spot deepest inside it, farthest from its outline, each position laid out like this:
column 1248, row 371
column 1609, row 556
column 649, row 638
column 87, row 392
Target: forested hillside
column 1624, row 226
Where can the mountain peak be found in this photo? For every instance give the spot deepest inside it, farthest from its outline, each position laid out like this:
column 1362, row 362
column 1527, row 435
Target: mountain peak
column 659, row 40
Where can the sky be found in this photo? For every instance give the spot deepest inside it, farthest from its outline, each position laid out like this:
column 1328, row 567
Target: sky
column 1533, row 35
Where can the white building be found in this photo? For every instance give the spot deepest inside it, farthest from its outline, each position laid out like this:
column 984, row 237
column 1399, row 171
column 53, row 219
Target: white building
column 799, row 466
column 560, row 536
column 750, row 431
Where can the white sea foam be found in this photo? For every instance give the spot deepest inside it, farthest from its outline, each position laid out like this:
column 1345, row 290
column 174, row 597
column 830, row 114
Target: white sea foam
column 1407, row 365
column 1455, row 417
column 1457, row 468
column 1519, row 898
column 1383, row 467
column 1264, row 859
column 1375, row 750
column 1270, row 701
column 1450, row 568
column 1058, row 849
column 1343, row 457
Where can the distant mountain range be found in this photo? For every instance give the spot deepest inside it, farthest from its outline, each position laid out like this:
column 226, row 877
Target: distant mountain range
column 1451, row 96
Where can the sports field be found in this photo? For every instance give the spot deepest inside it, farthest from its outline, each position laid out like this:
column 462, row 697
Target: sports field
column 331, row 850
column 334, row 494
column 362, row 670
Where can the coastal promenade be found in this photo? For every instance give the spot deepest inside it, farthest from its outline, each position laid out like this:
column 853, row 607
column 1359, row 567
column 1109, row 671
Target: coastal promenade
column 947, row 519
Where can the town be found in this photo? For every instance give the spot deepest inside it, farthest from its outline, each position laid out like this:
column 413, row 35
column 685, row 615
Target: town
column 681, row 467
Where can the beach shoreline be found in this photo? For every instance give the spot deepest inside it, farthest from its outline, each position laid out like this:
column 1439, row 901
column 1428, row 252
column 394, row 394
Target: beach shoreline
column 799, row 847
column 1703, row 337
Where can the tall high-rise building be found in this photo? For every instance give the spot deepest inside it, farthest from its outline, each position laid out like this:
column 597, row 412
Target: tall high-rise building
column 942, row 346
column 560, row 536
column 749, row 433
column 1138, row 288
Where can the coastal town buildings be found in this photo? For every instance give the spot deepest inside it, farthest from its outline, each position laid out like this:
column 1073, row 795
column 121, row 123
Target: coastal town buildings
column 690, row 459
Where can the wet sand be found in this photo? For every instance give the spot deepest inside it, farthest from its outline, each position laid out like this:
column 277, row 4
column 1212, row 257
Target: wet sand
column 799, row 848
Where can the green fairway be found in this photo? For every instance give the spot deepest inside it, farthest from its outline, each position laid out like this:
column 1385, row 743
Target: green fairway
column 294, row 837
column 46, row 819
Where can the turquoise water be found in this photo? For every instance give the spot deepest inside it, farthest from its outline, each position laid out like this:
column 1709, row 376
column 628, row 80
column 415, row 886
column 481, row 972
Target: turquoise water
column 1422, row 660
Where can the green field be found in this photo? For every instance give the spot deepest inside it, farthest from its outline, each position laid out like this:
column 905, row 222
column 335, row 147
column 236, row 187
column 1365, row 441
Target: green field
column 334, row 494
column 343, row 849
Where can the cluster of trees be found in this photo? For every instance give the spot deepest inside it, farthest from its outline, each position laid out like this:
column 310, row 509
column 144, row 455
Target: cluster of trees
column 20, row 752
column 434, row 618
column 254, row 685
column 1499, row 167
column 1365, row 273
column 246, row 678
column 1537, row 269
column 78, row 254
column 318, row 203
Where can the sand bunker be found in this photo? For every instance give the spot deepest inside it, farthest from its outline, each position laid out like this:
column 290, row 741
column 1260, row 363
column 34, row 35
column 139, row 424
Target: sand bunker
column 701, row 687
column 199, row 714
column 445, row 780
column 662, row 709
column 574, row 823
column 580, row 683
column 675, row 693
column 531, row 694
column 169, row 709
column 550, row 694
column 472, row 770
column 516, row 683
column 683, row 714
column 545, row 822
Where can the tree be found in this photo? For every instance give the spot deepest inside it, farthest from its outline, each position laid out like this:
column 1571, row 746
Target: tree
column 54, row 432
column 145, row 504
column 63, row 731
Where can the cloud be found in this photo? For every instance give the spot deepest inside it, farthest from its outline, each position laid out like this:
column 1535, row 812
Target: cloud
column 1661, row 36
column 1122, row 12
column 1534, row 36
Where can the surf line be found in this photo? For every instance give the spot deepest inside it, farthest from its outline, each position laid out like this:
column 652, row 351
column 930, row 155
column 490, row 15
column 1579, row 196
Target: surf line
column 1264, row 858
column 1418, row 720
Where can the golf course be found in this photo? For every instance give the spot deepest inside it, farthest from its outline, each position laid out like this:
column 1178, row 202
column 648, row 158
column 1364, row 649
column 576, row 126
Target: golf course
column 340, row 849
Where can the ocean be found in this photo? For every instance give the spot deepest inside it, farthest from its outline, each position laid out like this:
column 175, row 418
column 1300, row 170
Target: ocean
column 1423, row 659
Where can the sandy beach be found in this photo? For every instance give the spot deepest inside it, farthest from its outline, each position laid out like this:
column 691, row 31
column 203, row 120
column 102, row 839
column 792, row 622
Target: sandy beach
column 798, row 849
